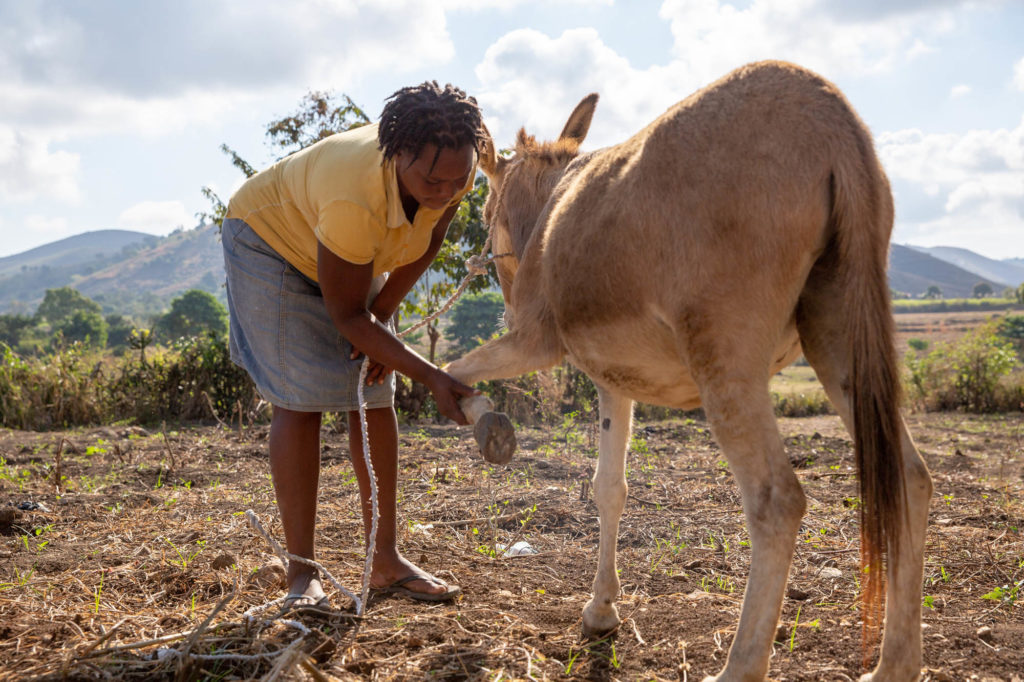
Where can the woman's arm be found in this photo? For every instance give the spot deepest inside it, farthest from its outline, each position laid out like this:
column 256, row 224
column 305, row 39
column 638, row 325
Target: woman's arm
column 345, row 287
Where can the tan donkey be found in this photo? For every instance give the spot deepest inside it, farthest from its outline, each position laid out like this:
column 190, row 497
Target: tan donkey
column 685, row 266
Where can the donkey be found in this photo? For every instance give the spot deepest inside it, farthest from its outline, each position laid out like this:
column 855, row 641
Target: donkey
column 748, row 224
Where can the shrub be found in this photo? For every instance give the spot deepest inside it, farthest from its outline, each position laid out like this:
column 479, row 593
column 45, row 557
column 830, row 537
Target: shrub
column 969, row 374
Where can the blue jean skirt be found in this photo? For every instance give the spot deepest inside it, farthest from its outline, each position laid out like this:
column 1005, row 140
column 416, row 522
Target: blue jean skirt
column 282, row 335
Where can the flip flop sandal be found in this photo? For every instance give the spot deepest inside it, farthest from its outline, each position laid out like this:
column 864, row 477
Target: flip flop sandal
column 297, row 600
column 399, row 587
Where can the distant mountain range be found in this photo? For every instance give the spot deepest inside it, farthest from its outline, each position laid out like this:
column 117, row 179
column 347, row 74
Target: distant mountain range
column 137, row 274
column 131, row 273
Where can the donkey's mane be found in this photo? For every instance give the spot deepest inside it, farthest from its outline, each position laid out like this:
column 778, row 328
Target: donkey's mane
column 559, row 151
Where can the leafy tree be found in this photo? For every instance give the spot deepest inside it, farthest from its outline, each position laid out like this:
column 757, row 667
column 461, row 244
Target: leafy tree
column 87, row 326
column 12, row 327
column 119, row 328
column 933, row 292
column 318, row 117
column 64, row 302
column 474, row 319
column 194, row 313
column 1020, row 293
column 982, row 290
column 466, row 237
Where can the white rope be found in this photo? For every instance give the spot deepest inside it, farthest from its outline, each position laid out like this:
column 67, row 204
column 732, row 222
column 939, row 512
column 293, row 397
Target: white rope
column 288, row 556
column 368, row 461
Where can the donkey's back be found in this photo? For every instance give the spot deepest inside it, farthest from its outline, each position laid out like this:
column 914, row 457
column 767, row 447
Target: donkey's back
column 706, row 223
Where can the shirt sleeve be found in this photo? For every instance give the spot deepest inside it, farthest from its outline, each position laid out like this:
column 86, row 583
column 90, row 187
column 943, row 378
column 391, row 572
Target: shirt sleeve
column 350, row 231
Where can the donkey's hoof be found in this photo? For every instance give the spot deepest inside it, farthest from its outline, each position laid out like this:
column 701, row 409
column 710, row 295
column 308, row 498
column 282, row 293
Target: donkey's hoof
column 496, row 437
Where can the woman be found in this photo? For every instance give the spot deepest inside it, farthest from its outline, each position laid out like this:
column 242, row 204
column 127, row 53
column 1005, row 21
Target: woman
column 320, row 249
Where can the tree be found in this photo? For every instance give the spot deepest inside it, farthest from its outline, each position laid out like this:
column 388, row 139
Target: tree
column 119, row 328
column 982, row 290
column 474, row 319
column 12, row 327
column 466, row 237
column 933, row 292
column 86, row 326
column 192, row 314
column 318, row 117
column 1020, row 293
column 64, row 302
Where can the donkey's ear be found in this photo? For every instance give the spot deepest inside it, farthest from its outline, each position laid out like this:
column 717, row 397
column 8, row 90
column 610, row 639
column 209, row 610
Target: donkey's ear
column 579, row 120
column 491, row 163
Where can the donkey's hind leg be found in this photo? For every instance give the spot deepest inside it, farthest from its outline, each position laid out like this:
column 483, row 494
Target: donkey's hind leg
column 821, row 321
column 616, row 412
column 740, row 411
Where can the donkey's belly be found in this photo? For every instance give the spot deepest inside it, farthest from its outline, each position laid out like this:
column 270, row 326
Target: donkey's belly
column 640, row 360
column 637, row 358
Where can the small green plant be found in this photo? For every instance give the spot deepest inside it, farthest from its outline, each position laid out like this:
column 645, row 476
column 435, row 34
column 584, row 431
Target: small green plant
column 99, row 592
column 929, row 601
column 185, row 558
column 1005, row 594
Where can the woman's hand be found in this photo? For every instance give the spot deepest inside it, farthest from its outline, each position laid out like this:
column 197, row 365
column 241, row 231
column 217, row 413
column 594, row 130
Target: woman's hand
column 377, row 373
column 447, row 392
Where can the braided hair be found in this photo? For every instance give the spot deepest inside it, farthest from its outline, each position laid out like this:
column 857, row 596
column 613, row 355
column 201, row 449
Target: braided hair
column 428, row 114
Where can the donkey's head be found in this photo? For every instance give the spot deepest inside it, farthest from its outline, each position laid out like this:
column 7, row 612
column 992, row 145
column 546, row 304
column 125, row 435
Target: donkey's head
column 521, row 184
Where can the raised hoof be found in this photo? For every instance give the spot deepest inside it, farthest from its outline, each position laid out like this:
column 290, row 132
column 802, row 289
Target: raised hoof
column 496, row 437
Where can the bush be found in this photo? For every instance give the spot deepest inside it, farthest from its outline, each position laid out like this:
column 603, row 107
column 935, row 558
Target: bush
column 74, row 386
column 974, row 374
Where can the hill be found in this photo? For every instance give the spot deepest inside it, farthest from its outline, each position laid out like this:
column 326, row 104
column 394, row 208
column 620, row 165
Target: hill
column 912, row 271
column 82, row 249
column 1008, row 272
column 135, row 274
column 138, row 278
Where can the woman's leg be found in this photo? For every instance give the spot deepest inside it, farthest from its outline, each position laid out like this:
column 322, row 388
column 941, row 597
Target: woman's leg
column 295, row 468
column 388, row 564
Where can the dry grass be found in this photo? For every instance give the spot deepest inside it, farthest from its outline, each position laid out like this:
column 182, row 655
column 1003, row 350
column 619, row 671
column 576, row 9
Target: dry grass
column 143, row 565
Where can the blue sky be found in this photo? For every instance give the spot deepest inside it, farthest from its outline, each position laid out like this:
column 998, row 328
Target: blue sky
column 112, row 112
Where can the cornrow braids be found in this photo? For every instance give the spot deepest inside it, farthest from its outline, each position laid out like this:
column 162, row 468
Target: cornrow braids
column 429, row 114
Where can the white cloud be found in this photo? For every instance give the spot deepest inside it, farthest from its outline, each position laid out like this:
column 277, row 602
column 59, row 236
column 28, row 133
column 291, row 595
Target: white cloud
column 87, row 69
column 525, row 68
column 30, row 170
column 532, row 79
column 965, row 189
column 959, row 91
column 712, row 37
column 54, row 228
column 1018, row 74
column 155, row 217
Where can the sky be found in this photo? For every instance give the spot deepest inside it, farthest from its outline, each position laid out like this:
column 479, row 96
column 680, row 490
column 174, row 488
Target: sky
column 112, row 112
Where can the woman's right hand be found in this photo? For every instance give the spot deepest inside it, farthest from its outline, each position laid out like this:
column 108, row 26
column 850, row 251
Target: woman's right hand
column 447, row 392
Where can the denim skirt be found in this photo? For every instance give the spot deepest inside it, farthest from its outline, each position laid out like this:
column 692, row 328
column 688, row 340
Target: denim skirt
column 282, row 335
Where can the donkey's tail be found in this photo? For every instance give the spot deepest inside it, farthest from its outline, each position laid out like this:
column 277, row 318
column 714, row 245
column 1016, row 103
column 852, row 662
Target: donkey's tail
column 862, row 215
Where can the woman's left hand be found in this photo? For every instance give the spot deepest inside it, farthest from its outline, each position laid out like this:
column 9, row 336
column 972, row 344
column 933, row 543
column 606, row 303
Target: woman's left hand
column 377, row 373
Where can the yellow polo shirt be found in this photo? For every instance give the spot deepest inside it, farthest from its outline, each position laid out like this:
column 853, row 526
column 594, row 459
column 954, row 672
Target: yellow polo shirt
column 341, row 192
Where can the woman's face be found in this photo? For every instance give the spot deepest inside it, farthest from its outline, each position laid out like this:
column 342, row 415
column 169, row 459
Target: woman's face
column 434, row 183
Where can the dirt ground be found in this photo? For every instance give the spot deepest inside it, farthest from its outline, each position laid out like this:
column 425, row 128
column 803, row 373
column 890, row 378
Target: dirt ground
column 128, row 556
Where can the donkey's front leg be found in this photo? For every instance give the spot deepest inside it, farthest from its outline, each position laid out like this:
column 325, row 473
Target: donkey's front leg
column 600, row 615
column 517, row 352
